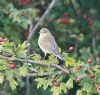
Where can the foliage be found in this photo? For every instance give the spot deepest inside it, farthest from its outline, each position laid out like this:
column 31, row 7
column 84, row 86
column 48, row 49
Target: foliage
column 75, row 25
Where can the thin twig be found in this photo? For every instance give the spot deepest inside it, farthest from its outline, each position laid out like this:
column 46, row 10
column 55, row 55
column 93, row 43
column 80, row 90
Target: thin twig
column 27, row 86
column 44, row 74
column 37, row 63
column 40, row 21
column 49, row 65
column 94, row 44
column 31, row 27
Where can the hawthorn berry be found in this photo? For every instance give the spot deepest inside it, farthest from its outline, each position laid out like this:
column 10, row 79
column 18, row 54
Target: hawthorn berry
column 78, row 80
column 25, row 2
column 71, row 49
column 55, row 83
column 64, row 21
column 12, row 66
column 98, row 88
column 89, row 61
column 92, row 76
column 1, row 39
column 26, row 34
column 90, row 21
column 66, row 14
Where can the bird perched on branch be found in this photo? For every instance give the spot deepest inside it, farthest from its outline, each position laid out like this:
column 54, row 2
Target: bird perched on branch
column 48, row 44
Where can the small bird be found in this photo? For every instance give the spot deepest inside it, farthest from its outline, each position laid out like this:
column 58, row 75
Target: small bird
column 48, row 44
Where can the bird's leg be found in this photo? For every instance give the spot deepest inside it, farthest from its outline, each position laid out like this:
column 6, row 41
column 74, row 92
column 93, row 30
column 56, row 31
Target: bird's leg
column 44, row 56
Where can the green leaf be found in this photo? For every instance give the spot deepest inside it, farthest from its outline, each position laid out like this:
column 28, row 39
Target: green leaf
column 22, row 46
column 22, row 50
column 86, row 84
column 87, row 87
column 43, row 82
column 56, row 90
column 52, row 60
column 36, row 57
column 3, row 64
column 1, row 78
column 79, row 92
column 70, row 61
column 21, row 54
column 8, row 48
column 23, row 71
column 12, row 83
column 69, row 83
column 63, row 87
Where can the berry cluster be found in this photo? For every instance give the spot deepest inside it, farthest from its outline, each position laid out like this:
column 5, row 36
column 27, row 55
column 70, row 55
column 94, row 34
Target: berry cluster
column 3, row 40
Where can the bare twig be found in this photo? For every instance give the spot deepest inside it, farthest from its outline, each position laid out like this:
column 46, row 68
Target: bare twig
column 37, row 63
column 27, row 86
column 49, row 65
column 94, row 44
column 44, row 74
column 33, row 29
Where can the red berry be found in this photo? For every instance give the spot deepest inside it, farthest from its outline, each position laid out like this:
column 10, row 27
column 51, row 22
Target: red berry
column 90, row 21
column 98, row 88
column 89, row 61
column 12, row 66
column 50, row 20
column 56, row 84
column 1, row 39
column 78, row 80
column 92, row 76
column 66, row 14
column 26, row 34
column 71, row 49
column 64, row 21
column 25, row 2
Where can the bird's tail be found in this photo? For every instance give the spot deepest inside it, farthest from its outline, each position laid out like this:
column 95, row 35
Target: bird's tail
column 60, row 56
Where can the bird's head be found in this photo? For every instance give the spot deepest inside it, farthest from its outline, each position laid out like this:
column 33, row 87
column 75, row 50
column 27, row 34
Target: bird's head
column 44, row 31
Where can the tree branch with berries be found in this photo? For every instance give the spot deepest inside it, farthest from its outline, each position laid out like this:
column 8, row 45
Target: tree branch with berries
column 16, row 59
column 71, row 23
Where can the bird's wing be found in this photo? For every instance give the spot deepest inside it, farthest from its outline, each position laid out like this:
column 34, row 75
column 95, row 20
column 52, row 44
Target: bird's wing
column 49, row 44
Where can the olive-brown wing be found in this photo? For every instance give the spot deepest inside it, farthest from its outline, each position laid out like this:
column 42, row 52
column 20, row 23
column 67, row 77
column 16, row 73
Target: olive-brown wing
column 48, row 45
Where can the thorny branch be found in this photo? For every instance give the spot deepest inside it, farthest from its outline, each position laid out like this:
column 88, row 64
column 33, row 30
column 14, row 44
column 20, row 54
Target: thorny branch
column 33, row 29
column 44, row 74
column 61, row 70
column 36, row 63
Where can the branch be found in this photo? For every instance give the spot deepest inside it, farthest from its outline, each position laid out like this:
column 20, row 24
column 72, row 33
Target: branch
column 27, row 85
column 37, row 63
column 49, row 65
column 36, row 74
column 44, row 74
column 33, row 29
